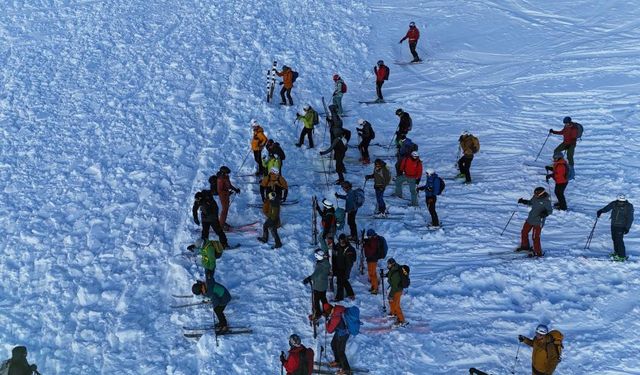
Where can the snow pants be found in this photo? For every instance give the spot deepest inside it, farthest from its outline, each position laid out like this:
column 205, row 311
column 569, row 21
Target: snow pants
column 559, row 191
column 363, row 147
column 379, row 89
column 257, row 156
column 271, row 226
column 351, row 221
column 617, row 235
column 339, row 348
column 286, row 91
column 382, row 207
column 217, row 229
column 570, row 151
column 464, row 165
column 342, row 285
column 306, row 132
column 524, row 237
column 224, row 204
column 431, row 205
column 400, row 180
column 337, row 101
column 412, row 48
column 372, row 268
column 219, row 310
column 319, row 299
column 394, row 306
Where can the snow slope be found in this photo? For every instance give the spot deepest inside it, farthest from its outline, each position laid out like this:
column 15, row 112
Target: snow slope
column 114, row 113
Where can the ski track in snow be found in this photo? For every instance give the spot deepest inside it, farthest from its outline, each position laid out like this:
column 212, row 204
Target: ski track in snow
column 113, row 114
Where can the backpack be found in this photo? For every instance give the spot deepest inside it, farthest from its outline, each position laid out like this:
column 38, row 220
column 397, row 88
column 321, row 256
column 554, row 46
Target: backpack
column 316, row 118
column 343, row 88
column 373, row 134
column 405, row 281
column 213, row 181
column 305, row 362
column 386, row 73
column 358, row 197
column 557, row 342
column 340, row 216
column 351, row 319
column 294, row 76
column 381, row 252
column 442, row 185
column 216, row 247
column 580, row 129
column 4, row 367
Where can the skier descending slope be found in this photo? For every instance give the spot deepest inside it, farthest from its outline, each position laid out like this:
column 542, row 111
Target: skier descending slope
column 540, row 208
column 569, row 138
column 621, row 220
column 413, row 34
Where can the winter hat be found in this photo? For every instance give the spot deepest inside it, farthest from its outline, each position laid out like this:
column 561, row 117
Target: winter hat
column 558, row 155
column 224, row 169
column 542, row 329
column 371, row 232
column 622, row 198
column 197, row 288
column 412, row 24
column 198, row 196
column 391, row 261
column 566, row 120
column 378, row 162
column 319, row 254
column 294, row 340
column 539, row 190
column 336, row 77
column 430, row 171
column 347, row 184
column 326, row 307
column 360, row 121
column 306, row 107
column 342, row 236
column 327, row 203
column 414, row 154
column 253, row 122
column 466, row 132
column 380, row 62
column 19, row 352
column 399, row 111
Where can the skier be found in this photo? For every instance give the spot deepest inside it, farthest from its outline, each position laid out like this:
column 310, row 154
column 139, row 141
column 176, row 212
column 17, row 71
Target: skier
column 271, row 161
column 560, row 174
column 343, row 258
column 18, row 364
column 208, row 250
column 274, row 149
column 209, row 214
column 339, row 90
column 224, row 189
column 335, row 323
column 274, row 182
column 366, row 133
column 350, row 208
column 413, row 34
column 569, row 138
column 381, row 179
column 469, row 144
column 308, row 118
column 405, row 125
column 371, row 248
column 328, row 221
column 621, row 220
column 219, row 297
column 339, row 148
column 404, row 148
column 432, row 188
column 547, row 348
column 540, row 208
column 300, row 359
column 410, row 172
column 382, row 74
column 287, row 84
column 258, row 142
column 395, row 292
column 336, row 127
column 271, row 209
column 319, row 280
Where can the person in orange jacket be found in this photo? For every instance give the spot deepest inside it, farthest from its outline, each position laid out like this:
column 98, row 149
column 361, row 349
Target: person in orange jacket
column 287, row 84
column 560, row 174
column 224, row 189
column 258, row 142
column 410, row 170
column 413, row 34
column 382, row 74
column 547, row 349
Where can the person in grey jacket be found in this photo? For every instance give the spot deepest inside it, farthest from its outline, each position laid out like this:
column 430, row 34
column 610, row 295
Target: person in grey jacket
column 319, row 280
column 540, row 208
column 621, row 220
column 381, row 178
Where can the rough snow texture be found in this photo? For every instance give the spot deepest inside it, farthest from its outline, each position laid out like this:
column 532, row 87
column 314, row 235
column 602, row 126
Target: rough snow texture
column 114, row 113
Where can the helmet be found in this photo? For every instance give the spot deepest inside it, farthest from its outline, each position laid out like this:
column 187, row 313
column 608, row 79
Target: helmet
column 342, row 236
column 371, row 232
column 539, row 190
column 276, row 156
column 466, row 132
column 360, row 121
column 558, row 155
column 622, row 197
column 412, row 24
column 274, row 170
column 430, row 171
column 542, row 329
column 284, row 67
column 399, row 111
column 197, row 288
column 319, row 254
column 391, row 261
column 327, row 203
column 253, row 122
column 294, row 340
column 378, row 162
column 271, row 196
column 336, row 77
column 380, row 62
column 225, row 169
column 566, row 120
column 414, row 154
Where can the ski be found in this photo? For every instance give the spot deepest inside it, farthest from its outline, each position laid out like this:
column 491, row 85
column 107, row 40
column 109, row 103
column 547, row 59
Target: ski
column 191, row 249
column 376, row 102
column 234, row 226
column 182, row 295
column 210, row 327
column 475, row 371
column 285, row 203
column 428, row 227
column 408, row 62
column 388, row 217
column 200, row 303
column 353, row 369
column 271, row 81
column 197, row 335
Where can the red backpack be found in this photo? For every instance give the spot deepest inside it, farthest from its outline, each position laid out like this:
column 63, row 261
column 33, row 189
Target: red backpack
column 344, row 88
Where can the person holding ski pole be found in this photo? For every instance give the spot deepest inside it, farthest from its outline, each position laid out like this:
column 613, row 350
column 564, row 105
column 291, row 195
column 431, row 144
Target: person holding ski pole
column 319, row 280
column 570, row 134
column 381, row 179
column 374, row 248
column 309, row 118
column 18, row 364
column 413, row 34
column 432, row 189
column 328, row 222
column 287, row 84
column 560, row 174
column 366, row 134
column 405, row 125
column 219, row 297
column 547, row 350
column 621, row 220
column 300, row 359
column 204, row 202
column 343, row 257
column 350, row 207
column 339, row 148
column 340, row 88
column 410, row 172
column 540, row 208
column 395, row 292
column 382, row 74
column 224, row 189
column 335, row 324
column 258, row 142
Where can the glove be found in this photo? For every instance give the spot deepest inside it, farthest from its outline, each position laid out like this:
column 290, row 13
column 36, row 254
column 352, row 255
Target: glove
column 550, row 131
column 196, row 221
column 547, row 177
column 336, row 194
column 400, row 42
column 548, row 168
column 598, row 213
column 306, row 280
column 367, row 177
column 33, row 367
column 282, row 358
column 521, row 338
column 297, row 114
column 626, row 231
column 237, row 190
column 521, row 201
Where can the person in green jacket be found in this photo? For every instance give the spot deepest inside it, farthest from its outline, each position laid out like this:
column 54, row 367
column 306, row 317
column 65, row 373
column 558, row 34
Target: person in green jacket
column 319, row 280
column 309, row 118
column 271, row 209
column 209, row 251
column 18, row 364
column 395, row 292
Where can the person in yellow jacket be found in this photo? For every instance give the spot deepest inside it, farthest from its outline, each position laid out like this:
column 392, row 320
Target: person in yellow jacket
column 309, row 119
column 469, row 145
column 258, row 142
column 547, row 348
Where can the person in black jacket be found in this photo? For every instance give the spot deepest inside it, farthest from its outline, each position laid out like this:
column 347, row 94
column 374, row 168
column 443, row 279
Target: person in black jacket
column 209, row 214
column 18, row 364
column 343, row 256
column 336, row 128
column 405, row 124
column 366, row 133
column 339, row 148
column 273, row 148
column 621, row 220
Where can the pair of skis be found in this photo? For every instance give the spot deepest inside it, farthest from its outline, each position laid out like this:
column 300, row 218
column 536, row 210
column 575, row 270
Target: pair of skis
column 271, row 81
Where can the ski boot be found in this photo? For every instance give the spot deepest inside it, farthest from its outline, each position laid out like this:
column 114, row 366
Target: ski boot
column 617, row 258
column 400, row 324
column 262, row 239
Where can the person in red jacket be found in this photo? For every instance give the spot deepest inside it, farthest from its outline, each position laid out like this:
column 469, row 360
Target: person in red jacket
column 287, row 84
column 224, row 189
column 410, row 172
column 569, row 138
column 335, row 323
column 382, row 74
column 300, row 359
column 413, row 35
column 560, row 174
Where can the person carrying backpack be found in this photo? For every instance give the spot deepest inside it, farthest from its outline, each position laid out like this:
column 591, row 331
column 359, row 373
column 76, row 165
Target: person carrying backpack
column 351, row 208
column 469, row 144
column 300, row 358
column 309, row 119
column 410, row 172
column 395, row 292
column 381, row 179
column 271, row 209
column 275, row 151
column 327, row 221
column 258, row 142
column 382, row 74
column 219, row 297
column 404, row 148
column 339, row 148
column 287, row 84
column 204, row 202
column 560, row 174
column 569, row 138
column 366, row 134
column 343, row 257
column 209, row 251
column 405, row 125
column 335, row 324
column 224, row 189
column 621, row 220
column 374, row 248
column 413, row 34
column 18, row 364
column 547, row 350
column 540, row 208
column 432, row 189
column 340, row 88
column 274, row 182
column 319, row 280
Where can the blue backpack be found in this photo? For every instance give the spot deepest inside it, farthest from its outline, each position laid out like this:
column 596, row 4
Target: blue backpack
column 351, row 318
column 358, row 197
column 294, row 76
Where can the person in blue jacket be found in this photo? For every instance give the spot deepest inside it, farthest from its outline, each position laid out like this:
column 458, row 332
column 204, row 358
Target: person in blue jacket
column 219, row 297
column 431, row 189
column 350, row 208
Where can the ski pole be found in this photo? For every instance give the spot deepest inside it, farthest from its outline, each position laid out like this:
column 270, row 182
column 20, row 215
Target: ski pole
column 513, row 370
column 296, row 123
column 243, row 161
column 394, row 137
column 505, row 227
column 365, row 184
column 541, row 148
column 588, row 244
column 215, row 331
column 384, row 306
column 281, row 365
